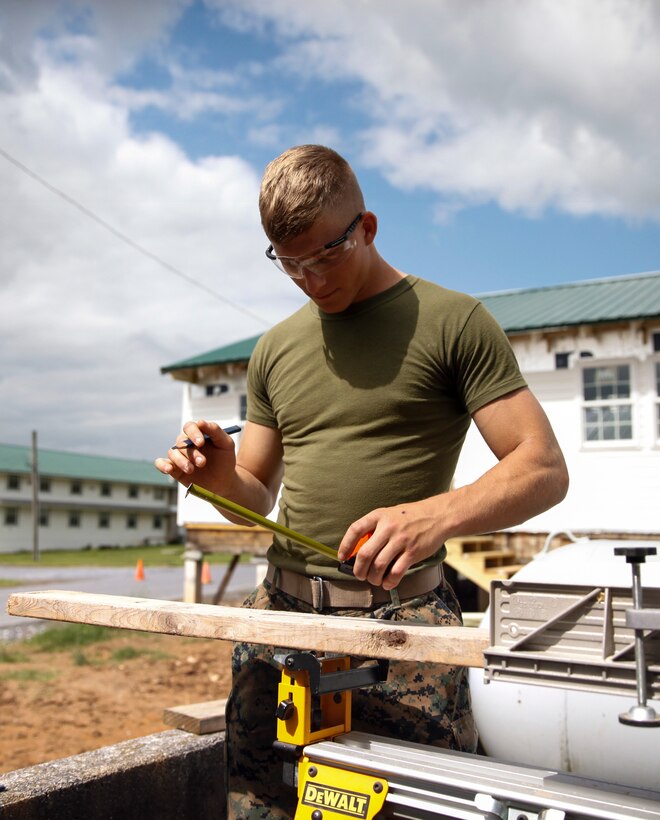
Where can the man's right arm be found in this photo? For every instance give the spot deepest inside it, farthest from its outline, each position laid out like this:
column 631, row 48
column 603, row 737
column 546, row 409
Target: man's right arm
column 251, row 479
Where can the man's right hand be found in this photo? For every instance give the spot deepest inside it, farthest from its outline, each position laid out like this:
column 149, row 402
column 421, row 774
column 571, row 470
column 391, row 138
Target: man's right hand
column 210, row 463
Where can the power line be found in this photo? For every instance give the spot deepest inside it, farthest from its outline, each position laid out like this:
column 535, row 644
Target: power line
column 128, row 241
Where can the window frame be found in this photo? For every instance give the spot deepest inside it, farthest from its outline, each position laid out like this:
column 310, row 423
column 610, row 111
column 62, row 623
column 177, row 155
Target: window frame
column 631, row 401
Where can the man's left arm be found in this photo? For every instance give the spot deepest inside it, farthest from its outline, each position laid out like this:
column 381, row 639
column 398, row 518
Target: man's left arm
column 530, row 476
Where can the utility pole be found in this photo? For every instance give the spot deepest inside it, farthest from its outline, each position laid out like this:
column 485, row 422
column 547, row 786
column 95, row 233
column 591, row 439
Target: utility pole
column 35, row 499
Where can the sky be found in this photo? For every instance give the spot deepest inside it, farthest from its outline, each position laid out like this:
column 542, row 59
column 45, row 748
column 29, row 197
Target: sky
column 502, row 145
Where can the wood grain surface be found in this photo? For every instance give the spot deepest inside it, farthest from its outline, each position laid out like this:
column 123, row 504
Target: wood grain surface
column 361, row 637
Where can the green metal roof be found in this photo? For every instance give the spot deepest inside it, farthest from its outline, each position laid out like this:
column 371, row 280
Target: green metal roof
column 17, row 459
column 237, row 352
column 590, row 302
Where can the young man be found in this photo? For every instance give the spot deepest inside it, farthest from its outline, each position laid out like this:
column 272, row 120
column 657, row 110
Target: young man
column 358, row 405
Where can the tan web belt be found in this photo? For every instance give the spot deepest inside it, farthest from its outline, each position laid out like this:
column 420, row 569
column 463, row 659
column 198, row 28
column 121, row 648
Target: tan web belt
column 325, row 592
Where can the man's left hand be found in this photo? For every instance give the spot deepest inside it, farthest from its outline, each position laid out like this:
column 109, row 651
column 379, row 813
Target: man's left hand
column 401, row 536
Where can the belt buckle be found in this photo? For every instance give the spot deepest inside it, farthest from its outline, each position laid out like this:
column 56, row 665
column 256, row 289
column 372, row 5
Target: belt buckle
column 317, row 593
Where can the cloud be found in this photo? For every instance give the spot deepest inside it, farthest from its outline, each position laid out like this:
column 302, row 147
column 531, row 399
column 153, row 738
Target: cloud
column 552, row 104
column 86, row 320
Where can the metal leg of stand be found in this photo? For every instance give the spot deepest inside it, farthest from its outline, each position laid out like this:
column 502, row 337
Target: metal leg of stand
column 641, row 714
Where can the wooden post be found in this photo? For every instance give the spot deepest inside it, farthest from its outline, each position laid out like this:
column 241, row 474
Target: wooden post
column 362, row 637
column 192, row 576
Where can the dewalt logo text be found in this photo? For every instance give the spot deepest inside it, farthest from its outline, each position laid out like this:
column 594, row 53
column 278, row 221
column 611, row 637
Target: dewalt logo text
column 352, row 804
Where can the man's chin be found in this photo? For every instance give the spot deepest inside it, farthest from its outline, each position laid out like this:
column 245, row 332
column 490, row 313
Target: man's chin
column 330, row 303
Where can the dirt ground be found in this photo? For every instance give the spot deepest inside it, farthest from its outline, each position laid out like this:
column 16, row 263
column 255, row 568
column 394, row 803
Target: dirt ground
column 56, row 704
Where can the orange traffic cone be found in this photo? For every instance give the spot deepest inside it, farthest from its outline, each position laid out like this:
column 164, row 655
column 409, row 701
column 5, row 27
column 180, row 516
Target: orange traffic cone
column 139, row 570
column 206, row 573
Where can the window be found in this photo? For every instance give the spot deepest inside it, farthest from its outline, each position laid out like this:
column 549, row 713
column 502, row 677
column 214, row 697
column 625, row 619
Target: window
column 216, row 389
column 11, row 516
column 133, row 491
column 76, row 488
column 74, row 518
column 131, row 522
column 13, row 482
column 44, row 518
column 243, row 407
column 106, row 489
column 104, row 520
column 607, row 408
column 157, row 523
column 159, row 493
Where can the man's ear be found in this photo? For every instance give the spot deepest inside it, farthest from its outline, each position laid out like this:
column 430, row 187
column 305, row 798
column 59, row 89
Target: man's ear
column 369, row 224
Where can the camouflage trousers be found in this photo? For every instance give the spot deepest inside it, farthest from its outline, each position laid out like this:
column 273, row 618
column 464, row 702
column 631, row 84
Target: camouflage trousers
column 420, row 702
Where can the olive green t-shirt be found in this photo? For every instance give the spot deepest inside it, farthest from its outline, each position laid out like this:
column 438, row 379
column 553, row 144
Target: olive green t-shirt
column 373, row 405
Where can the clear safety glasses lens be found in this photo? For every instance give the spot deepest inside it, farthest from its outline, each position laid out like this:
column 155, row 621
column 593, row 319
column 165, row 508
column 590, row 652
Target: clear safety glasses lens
column 318, row 265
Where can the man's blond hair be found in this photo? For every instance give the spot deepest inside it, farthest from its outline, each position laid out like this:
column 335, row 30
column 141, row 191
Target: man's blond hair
column 302, row 184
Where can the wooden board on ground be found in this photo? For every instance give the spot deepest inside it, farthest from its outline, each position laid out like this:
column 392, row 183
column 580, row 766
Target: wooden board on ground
column 361, row 637
column 197, row 718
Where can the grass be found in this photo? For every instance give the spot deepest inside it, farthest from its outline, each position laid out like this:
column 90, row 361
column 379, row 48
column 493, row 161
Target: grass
column 129, row 653
column 9, row 656
column 162, row 555
column 41, row 675
column 71, row 636
column 80, row 659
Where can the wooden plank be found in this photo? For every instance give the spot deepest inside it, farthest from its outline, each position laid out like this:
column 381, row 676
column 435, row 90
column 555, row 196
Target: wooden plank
column 362, row 637
column 230, row 538
column 198, row 718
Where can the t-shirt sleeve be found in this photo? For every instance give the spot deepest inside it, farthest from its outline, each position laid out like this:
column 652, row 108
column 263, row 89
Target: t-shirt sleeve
column 259, row 408
column 484, row 362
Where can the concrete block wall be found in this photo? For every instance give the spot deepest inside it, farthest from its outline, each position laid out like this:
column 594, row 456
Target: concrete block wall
column 172, row 775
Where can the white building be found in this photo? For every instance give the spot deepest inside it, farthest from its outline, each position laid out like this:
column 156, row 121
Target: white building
column 590, row 352
column 82, row 501
column 214, row 389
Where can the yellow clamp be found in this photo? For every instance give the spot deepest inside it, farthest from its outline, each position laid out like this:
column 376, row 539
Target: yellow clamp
column 295, row 698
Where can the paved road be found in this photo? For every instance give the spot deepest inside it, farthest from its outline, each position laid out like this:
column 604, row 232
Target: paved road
column 165, row 583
